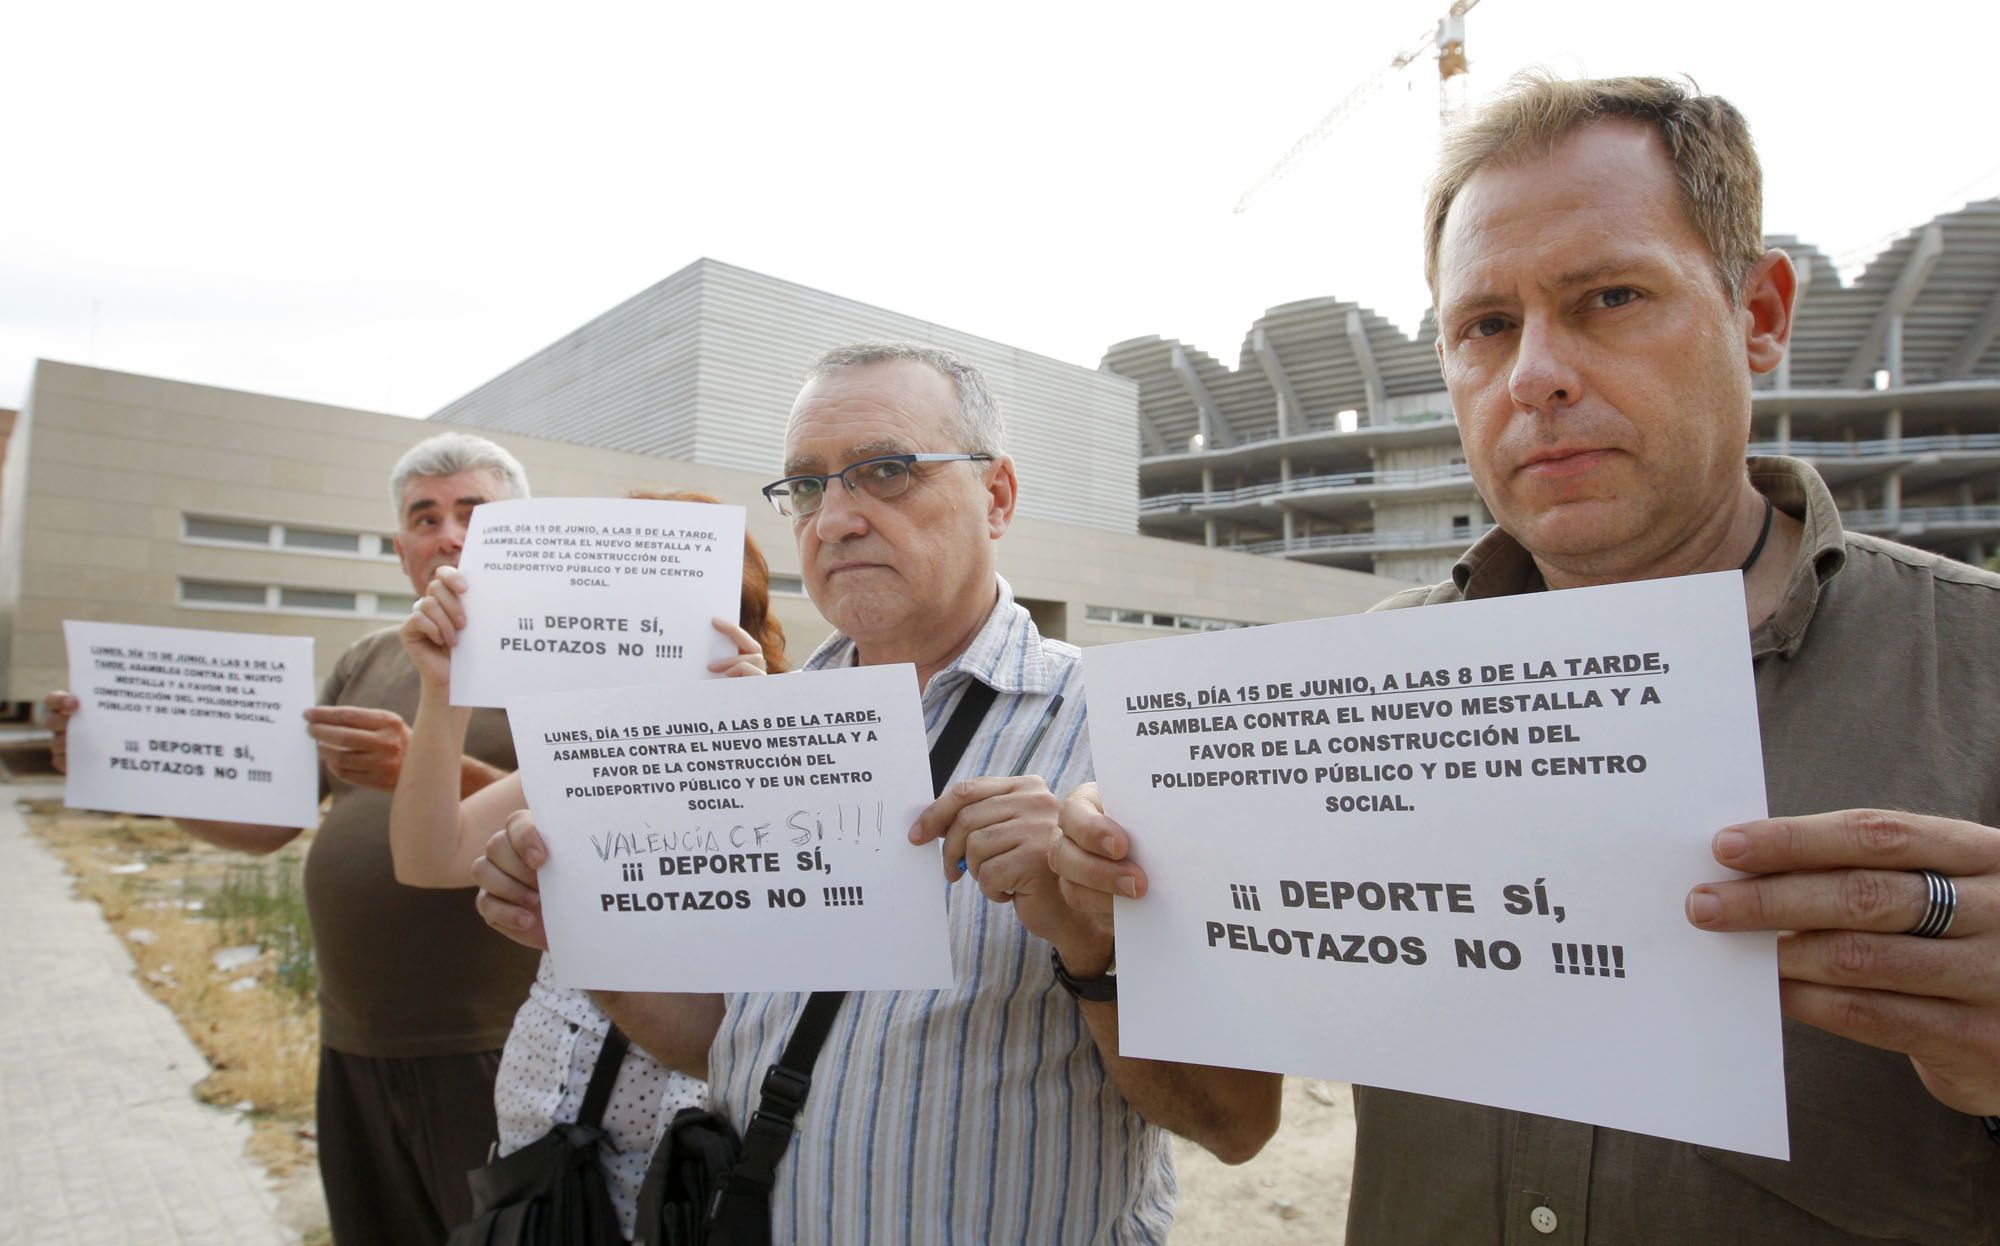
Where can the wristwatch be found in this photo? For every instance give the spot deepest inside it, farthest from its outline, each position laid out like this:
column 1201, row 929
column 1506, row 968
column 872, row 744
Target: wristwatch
column 1099, row 990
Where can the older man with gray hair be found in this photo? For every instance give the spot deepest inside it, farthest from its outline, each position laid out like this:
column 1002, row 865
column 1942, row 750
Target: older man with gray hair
column 416, row 995
column 997, row 1110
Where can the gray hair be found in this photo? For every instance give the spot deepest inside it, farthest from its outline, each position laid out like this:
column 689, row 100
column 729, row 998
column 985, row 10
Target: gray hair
column 979, row 423
column 448, row 454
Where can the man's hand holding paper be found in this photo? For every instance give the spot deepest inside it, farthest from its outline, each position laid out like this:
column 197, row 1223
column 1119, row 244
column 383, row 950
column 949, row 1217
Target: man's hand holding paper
column 1872, row 949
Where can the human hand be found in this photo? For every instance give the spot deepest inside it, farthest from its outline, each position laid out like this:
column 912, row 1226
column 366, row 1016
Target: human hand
column 1092, row 862
column 432, row 628
column 57, row 709
column 998, row 830
column 509, row 896
column 1843, row 888
column 749, row 656
column 360, row 745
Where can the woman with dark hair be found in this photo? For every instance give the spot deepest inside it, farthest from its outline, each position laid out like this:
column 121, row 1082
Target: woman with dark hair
column 435, row 835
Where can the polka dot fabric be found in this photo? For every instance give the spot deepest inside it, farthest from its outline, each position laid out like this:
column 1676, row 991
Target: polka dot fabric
column 545, row 1067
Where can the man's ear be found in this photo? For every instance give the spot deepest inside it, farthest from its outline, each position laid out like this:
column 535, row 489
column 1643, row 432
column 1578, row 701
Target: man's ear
column 403, row 556
column 1000, row 493
column 1770, row 293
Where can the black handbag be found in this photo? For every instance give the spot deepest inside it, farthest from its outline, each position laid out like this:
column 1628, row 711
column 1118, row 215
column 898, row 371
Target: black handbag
column 552, row 1191
column 704, row 1187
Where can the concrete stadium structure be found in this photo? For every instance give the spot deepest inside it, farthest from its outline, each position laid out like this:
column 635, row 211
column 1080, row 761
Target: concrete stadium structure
column 1332, row 441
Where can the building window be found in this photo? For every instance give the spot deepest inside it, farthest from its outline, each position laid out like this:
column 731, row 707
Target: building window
column 322, row 539
column 201, row 528
column 291, row 599
column 315, row 599
column 1154, row 618
column 788, row 584
column 1461, row 525
column 299, row 539
column 222, row 593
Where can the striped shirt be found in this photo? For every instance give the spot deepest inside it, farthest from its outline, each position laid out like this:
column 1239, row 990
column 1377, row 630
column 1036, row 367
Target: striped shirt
column 982, row 1113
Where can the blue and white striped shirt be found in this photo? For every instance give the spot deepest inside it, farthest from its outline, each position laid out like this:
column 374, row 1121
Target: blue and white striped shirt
column 977, row 1114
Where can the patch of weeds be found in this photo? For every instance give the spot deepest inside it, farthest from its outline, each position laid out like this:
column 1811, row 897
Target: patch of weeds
column 263, row 901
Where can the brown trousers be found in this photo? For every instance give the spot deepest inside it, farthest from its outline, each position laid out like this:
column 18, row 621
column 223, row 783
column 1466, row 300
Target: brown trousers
column 396, row 1138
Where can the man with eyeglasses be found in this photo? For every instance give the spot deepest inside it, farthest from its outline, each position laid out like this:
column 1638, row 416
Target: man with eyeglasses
column 998, row 1110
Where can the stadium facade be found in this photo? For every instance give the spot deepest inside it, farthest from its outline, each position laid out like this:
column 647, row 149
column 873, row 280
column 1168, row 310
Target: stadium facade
column 1332, row 441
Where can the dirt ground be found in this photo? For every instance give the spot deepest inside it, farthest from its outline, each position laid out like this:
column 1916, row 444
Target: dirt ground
column 161, row 891
column 1294, row 1191
column 158, row 889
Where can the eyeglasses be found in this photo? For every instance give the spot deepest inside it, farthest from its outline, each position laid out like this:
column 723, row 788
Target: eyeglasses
column 882, row 477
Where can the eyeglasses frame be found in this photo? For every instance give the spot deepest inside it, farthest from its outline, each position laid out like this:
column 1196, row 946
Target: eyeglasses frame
column 853, row 490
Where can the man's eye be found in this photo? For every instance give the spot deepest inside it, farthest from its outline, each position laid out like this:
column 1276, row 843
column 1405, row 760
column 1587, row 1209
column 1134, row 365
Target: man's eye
column 1617, row 296
column 882, row 473
column 1487, row 326
column 806, row 488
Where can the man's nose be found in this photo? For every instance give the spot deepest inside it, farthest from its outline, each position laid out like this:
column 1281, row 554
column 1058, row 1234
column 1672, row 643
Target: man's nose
column 839, row 515
column 1545, row 375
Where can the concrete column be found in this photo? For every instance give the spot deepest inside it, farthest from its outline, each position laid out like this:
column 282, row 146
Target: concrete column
column 1784, row 432
column 1892, row 428
column 1285, row 478
column 1208, row 487
column 1892, row 496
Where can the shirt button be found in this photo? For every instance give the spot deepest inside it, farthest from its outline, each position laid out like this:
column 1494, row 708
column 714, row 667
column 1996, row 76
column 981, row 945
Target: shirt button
column 1544, row 1219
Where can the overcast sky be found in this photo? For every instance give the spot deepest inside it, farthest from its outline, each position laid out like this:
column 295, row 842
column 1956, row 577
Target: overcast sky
column 383, row 205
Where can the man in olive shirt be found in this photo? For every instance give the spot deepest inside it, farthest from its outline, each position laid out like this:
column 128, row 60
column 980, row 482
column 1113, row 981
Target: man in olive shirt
column 1604, row 295
column 416, row 994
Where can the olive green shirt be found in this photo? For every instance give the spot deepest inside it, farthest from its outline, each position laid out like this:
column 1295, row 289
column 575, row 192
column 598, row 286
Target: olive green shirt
column 403, row 971
column 1878, row 686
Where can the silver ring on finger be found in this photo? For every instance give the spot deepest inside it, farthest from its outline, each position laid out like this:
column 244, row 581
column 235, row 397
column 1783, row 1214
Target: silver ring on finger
column 1940, row 907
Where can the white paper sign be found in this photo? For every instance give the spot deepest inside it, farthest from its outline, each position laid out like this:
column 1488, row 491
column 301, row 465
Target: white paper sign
column 1445, row 850
column 594, row 593
column 191, row 724
column 737, row 834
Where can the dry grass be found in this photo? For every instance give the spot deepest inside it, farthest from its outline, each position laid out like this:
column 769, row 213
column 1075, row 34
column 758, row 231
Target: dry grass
column 262, row 1042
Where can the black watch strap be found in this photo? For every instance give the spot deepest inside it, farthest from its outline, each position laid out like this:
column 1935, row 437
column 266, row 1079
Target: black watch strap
column 1098, row 990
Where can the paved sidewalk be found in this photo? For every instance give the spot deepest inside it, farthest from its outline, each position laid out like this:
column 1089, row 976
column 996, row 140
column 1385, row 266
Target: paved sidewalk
column 100, row 1139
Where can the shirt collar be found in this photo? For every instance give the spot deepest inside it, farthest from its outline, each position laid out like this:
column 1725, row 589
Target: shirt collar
column 1796, row 489
column 1005, row 654
column 1498, row 566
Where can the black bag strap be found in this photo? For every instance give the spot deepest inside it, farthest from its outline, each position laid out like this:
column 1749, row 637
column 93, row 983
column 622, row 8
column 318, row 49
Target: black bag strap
column 957, row 734
column 598, row 1093
column 746, row 1196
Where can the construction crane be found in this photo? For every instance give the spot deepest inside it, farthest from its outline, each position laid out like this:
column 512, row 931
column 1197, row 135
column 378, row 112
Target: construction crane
column 1448, row 37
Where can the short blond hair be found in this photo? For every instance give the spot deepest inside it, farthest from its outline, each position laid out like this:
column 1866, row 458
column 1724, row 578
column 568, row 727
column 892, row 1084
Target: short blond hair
column 1707, row 141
